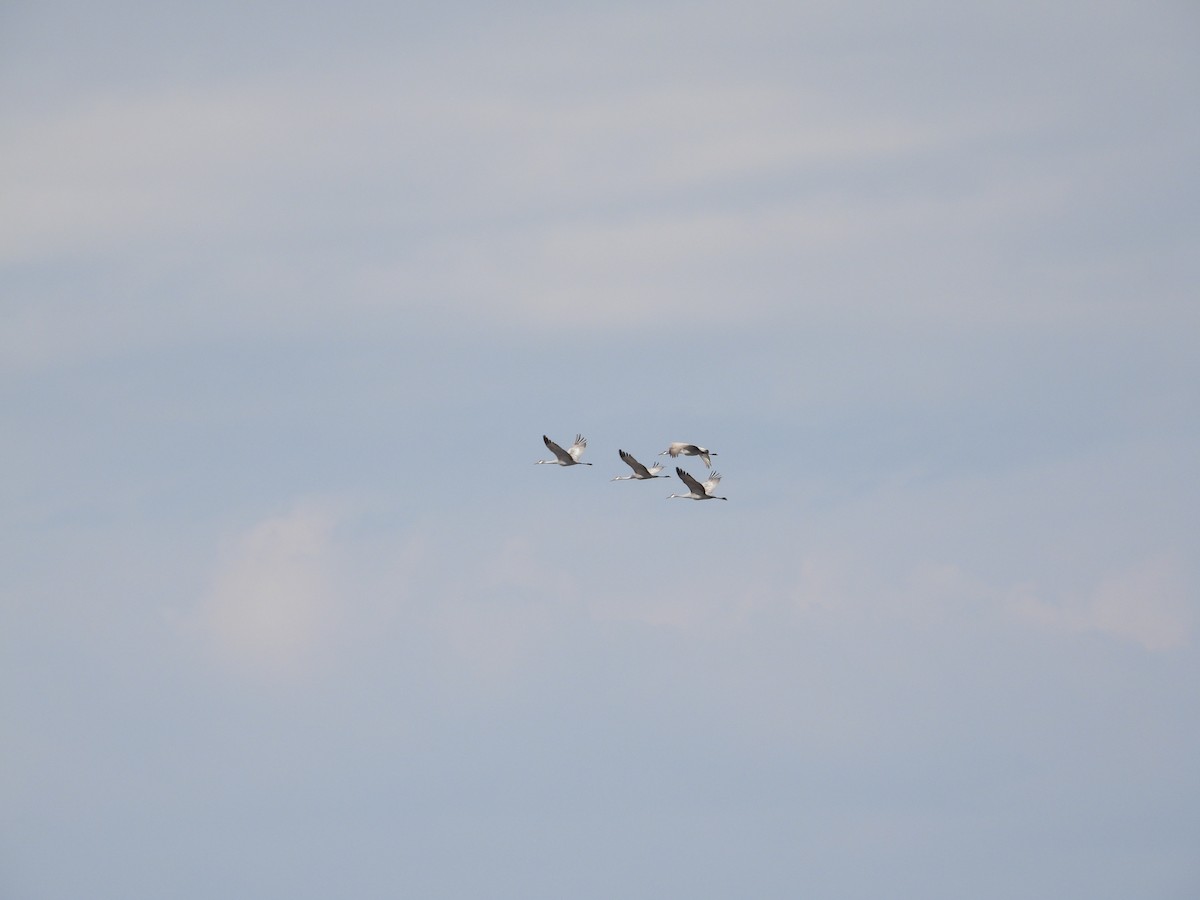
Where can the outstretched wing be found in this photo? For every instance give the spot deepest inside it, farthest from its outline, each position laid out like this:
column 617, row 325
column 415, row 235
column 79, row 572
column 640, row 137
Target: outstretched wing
column 707, row 461
column 637, row 467
column 711, row 485
column 557, row 450
column 655, row 469
column 578, row 447
column 692, row 483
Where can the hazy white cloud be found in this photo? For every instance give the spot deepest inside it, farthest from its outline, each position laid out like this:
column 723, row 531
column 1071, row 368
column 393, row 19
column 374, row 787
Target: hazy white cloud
column 1147, row 604
column 273, row 599
column 87, row 180
column 432, row 197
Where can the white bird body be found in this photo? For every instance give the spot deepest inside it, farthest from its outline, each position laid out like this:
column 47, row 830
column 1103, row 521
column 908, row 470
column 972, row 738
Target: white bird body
column 698, row 491
column 681, row 449
column 640, row 472
column 565, row 457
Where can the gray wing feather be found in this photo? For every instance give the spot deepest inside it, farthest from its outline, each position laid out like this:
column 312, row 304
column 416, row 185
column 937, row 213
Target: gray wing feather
column 557, row 450
column 634, row 464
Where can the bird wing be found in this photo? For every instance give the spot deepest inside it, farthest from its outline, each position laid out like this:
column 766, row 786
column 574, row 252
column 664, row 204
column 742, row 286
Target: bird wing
column 557, row 450
column 578, row 447
column 655, row 469
column 704, row 457
column 637, row 467
column 711, row 485
column 692, row 483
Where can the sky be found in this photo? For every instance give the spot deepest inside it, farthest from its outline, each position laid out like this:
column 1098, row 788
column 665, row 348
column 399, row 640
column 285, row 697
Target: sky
column 289, row 295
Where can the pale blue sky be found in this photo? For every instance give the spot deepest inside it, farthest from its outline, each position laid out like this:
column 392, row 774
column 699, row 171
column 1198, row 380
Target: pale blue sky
column 289, row 295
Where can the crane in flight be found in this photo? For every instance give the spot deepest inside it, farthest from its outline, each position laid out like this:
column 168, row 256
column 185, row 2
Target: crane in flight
column 640, row 472
column 681, row 449
column 565, row 457
column 698, row 491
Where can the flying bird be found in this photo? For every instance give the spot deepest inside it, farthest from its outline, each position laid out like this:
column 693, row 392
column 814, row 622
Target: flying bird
column 640, row 472
column 698, row 491
column 681, row 449
column 565, row 457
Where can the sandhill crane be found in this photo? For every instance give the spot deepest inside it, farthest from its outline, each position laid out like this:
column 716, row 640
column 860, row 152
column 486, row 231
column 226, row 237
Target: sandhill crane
column 640, row 472
column 698, row 491
column 681, row 449
column 565, row 457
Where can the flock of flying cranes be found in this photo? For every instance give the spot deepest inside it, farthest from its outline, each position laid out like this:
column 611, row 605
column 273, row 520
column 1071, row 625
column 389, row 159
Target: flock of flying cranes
column 698, row 490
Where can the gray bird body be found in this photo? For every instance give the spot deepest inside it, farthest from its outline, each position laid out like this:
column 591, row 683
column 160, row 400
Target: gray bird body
column 565, row 457
column 698, row 491
column 681, row 449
